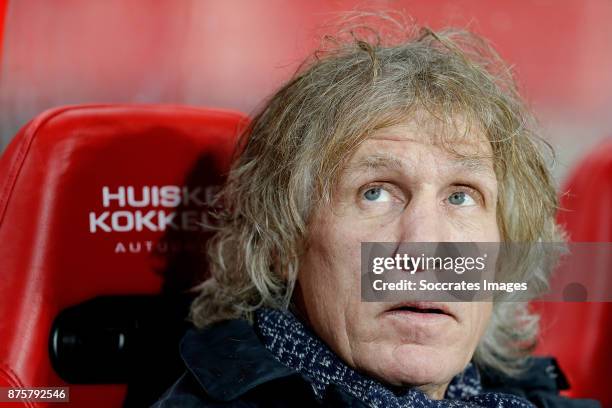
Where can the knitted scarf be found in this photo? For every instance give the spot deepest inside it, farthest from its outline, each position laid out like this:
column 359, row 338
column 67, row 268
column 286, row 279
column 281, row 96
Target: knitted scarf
column 297, row 347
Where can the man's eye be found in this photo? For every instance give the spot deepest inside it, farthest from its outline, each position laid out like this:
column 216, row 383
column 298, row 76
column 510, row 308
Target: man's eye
column 460, row 198
column 376, row 194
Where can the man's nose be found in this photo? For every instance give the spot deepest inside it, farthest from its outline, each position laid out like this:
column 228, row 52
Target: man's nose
column 423, row 220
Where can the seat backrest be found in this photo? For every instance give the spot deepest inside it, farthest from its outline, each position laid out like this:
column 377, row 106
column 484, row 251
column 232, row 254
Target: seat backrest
column 579, row 334
column 101, row 200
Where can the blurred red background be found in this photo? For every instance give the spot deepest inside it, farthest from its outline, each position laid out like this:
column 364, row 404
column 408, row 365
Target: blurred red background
column 232, row 54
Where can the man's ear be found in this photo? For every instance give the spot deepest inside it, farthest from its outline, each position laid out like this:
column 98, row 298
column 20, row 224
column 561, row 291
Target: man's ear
column 276, row 265
column 277, row 268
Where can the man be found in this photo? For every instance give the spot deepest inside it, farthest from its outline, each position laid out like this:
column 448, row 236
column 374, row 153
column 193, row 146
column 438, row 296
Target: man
column 420, row 139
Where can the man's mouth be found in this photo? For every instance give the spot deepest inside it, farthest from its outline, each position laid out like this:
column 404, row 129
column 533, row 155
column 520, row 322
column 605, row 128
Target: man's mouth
column 421, row 308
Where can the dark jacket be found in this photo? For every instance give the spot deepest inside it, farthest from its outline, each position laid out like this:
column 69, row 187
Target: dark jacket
column 228, row 366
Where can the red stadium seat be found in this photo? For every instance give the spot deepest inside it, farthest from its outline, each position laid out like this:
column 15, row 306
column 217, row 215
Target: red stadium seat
column 580, row 334
column 97, row 201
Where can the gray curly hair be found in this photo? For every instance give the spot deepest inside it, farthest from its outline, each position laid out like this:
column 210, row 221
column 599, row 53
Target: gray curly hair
column 291, row 154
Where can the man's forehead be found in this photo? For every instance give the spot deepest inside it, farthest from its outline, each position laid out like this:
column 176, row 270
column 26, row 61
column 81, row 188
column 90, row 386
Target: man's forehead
column 464, row 148
column 378, row 159
column 459, row 137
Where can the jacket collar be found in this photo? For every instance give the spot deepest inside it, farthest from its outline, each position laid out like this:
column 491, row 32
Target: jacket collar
column 228, row 359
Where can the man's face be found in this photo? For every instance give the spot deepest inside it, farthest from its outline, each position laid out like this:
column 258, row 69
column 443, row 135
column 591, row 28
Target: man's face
column 399, row 187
